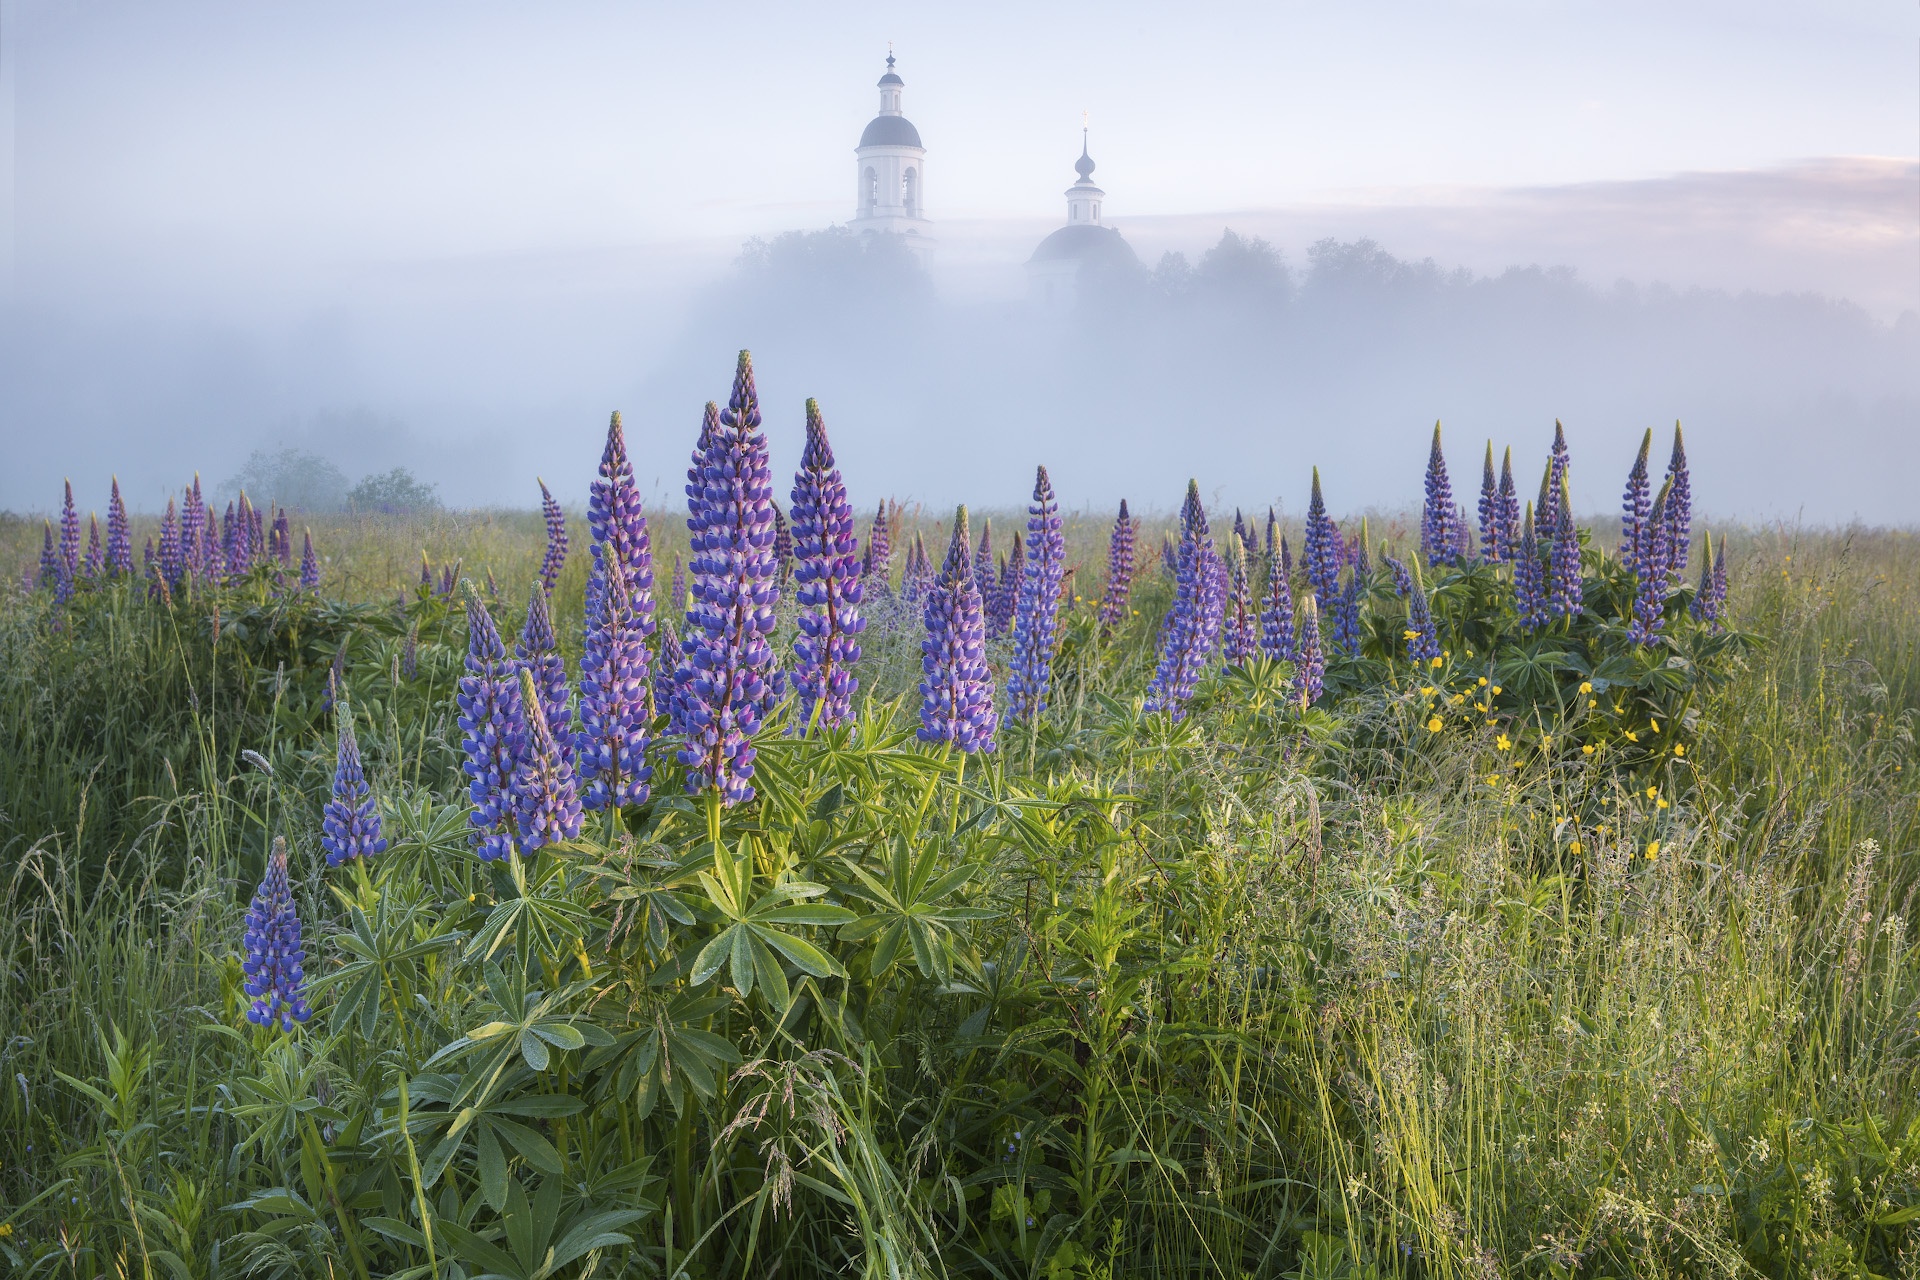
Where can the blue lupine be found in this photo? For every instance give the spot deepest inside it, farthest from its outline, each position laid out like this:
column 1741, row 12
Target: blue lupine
column 70, row 536
column 309, row 564
column 1529, row 576
column 1402, row 576
column 1309, row 662
column 1242, row 632
column 95, row 561
column 877, row 564
column 539, row 651
column 618, row 526
column 1653, row 574
column 546, row 802
column 956, row 691
column 493, row 730
column 1556, row 473
column 983, row 562
column 1322, row 550
column 350, row 825
column 1036, row 619
column 1566, row 591
column 1184, row 646
column 555, row 557
column 1006, row 594
column 828, row 589
column 283, row 539
column 1710, row 597
column 1117, row 599
column 1169, row 556
column 172, row 552
column 1423, row 641
column 1636, row 504
column 1276, row 613
column 1436, row 518
column 1679, row 528
column 668, row 661
column 1462, row 536
column 1509, row 510
column 193, row 528
column 677, row 590
column 1489, row 511
column 730, row 520
column 274, row 966
column 1346, row 619
column 782, row 545
column 1213, row 602
column 49, row 558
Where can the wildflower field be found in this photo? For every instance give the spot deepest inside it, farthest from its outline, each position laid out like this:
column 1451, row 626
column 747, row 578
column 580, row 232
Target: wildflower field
column 791, row 884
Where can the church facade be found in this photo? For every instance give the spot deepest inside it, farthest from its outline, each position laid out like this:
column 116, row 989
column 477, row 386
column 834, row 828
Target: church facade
column 890, row 195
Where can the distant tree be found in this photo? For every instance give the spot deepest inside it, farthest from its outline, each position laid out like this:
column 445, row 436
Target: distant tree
column 394, row 492
column 1173, row 277
column 1243, row 267
column 290, row 478
column 837, row 262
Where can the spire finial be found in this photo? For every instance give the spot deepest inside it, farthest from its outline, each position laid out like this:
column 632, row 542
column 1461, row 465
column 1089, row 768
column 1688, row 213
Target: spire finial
column 889, row 55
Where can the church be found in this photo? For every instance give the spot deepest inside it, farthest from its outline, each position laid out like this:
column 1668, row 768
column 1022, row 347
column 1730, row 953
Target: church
column 890, row 195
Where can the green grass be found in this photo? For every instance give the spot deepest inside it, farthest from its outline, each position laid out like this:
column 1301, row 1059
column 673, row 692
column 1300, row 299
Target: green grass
column 1259, row 996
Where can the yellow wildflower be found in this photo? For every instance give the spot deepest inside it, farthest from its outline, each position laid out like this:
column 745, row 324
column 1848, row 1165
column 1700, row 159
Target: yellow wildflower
column 1409, row 635
column 1435, row 664
column 1631, row 736
column 1586, row 686
column 1483, row 682
column 1592, row 703
column 1426, row 690
column 1653, row 850
column 1678, row 749
column 1652, row 792
column 1655, row 724
column 1433, row 725
column 1573, row 846
column 1661, row 803
column 1587, row 750
column 1503, row 742
column 1496, row 689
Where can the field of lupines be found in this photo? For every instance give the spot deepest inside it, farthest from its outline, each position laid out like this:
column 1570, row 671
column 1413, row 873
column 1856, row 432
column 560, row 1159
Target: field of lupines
column 693, row 896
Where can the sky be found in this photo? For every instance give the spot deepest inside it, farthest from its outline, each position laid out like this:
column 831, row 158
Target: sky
column 259, row 215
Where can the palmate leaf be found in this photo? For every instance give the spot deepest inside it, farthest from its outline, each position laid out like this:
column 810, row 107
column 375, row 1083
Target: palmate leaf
column 748, row 944
column 542, row 908
column 667, row 1052
column 912, row 906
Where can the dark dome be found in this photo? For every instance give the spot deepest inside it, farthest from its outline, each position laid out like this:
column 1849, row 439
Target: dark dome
column 1087, row 243
column 890, row 131
column 888, row 79
column 1084, row 165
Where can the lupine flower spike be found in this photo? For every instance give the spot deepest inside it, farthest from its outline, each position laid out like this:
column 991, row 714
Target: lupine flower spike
column 274, row 970
column 1276, row 611
column 829, row 588
column 119, row 535
column 309, row 564
column 1509, row 510
column 493, row 730
column 730, row 519
column 879, row 557
column 1036, row 619
column 1529, row 576
column 70, row 536
column 546, row 804
column 539, row 652
column 677, row 592
column 782, row 546
column 1436, row 521
column 983, row 562
column 350, row 825
column 1679, row 530
column 1650, row 592
column 669, row 660
column 95, row 562
column 1489, row 510
column 1423, row 643
column 616, row 714
column 1322, row 550
column 1242, row 629
column 1116, row 601
column 49, row 558
column 956, row 692
column 1567, row 590
column 1183, row 645
column 1309, row 664
column 1006, row 594
column 555, row 557
column 1636, row 504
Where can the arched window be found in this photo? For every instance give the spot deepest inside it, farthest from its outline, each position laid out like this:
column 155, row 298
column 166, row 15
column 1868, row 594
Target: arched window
column 871, row 196
column 910, row 192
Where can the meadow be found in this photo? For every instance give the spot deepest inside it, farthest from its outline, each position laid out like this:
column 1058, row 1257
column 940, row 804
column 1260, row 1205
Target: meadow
column 1514, row 940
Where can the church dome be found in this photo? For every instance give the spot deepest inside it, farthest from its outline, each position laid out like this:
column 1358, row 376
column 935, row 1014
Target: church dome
column 1085, row 243
column 890, row 78
column 890, row 131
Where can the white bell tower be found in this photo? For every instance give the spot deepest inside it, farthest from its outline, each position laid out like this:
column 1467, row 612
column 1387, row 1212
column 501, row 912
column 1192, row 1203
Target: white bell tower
column 890, row 183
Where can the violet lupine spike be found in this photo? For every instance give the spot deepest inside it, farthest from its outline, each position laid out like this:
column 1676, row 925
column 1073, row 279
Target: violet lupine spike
column 283, row 539
column 1436, row 521
column 426, row 573
column 1710, row 600
column 173, row 560
column 956, row 691
column 493, row 731
column 1346, row 619
column 223, row 526
column 1116, row 601
column 410, row 653
column 677, row 597
column 193, row 519
column 539, row 652
column 240, row 555
column 1700, row 608
column 732, row 662
column 447, row 582
column 1322, row 550
column 1242, row 627
column 879, row 556
column 350, row 824
column 782, row 546
column 1566, row 590
column 1636, row 504
column 546, row 799
column 983, row 566
column 618, row 533
column 828, row 587
column 1309, row 662
column 257, row 527
column 1509, row 510
column 1276, row 612
column 309, row 564
column 1169, row 556
column 94, row 564
column 555, row 557
column 119, row 535
column 1462, row 536
column 1006, row 592
column 1213, row 612
column 49, row 558
column 1402, row 576
column 1489, row 510
column 1650, row 588
column 1529, row 576
column 274, row 965
column 70, row 536
column 668, row 661
column 1423, row 640
column 1556, row 470
column 1679, row 530
column 1184, row 648
column 1273, row 537
column 1036, row 619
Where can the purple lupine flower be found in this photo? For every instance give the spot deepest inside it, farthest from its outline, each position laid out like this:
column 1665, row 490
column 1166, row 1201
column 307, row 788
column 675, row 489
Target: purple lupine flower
column 1636, row 504
column 70, row 536
column 150, row 562
column 732, row 664
column 173, row 555
column 668, row 662
column 1322, row 551
column 119, row 535
column 539, row 652
column 956, row 692
column 555, row 558
column 1036, row 619
column 1184, row 647
column 615, row 771
column 1276, row 613
column 1423, row 640
column 410, row 652
column 1309, row 663
column 1651, row 587
column 240, row 553
column 493, row 731
column 224, row 525
column 1346, row 617
column 677, row 599
column 257, row 529
column 309, row 564
column 1436, row 519
column 782, row 546
column 828, row 586
column 1567, row 592
column 1273, row 537
column 983, row 566
column 350, row 825
column 1462, row 536
column 274, row 962
column 1710, row 598
column 1489, row 510
column 1169, row 556
column 1242, row 634
column 1117, row 600
column 546, row 801
column 447, row 581
column 1213, row 602
column 426, row 574
column 1679, row 530
column 283, row 539
column 1509, row 510
column 1529, row 576
column 999, row 602
column 95, row 562
column 878, row 564
column 193, row 521
column 1402, row 576
column 49, row 558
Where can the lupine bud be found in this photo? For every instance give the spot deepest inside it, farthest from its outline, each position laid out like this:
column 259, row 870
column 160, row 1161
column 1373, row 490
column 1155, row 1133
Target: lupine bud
column 1568, row 591
column 956, row 693
column 1322, row 551
column 1529, row 576
column 1117, row 600
column 1276, row 613
column 546, row 804
column 1184, row 644
column 447, row 581
column 350, row 824
column 829, row 590
column 1242, row 632
column 493, row 731
column 555, row 557
column 309, row 564
column 1309, row 663
column 1436, row 520
column 1402, row 576
column 731, row 661
column 1036, row 618
column 1679, row 530
column 274, row 966
column 95, row 562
